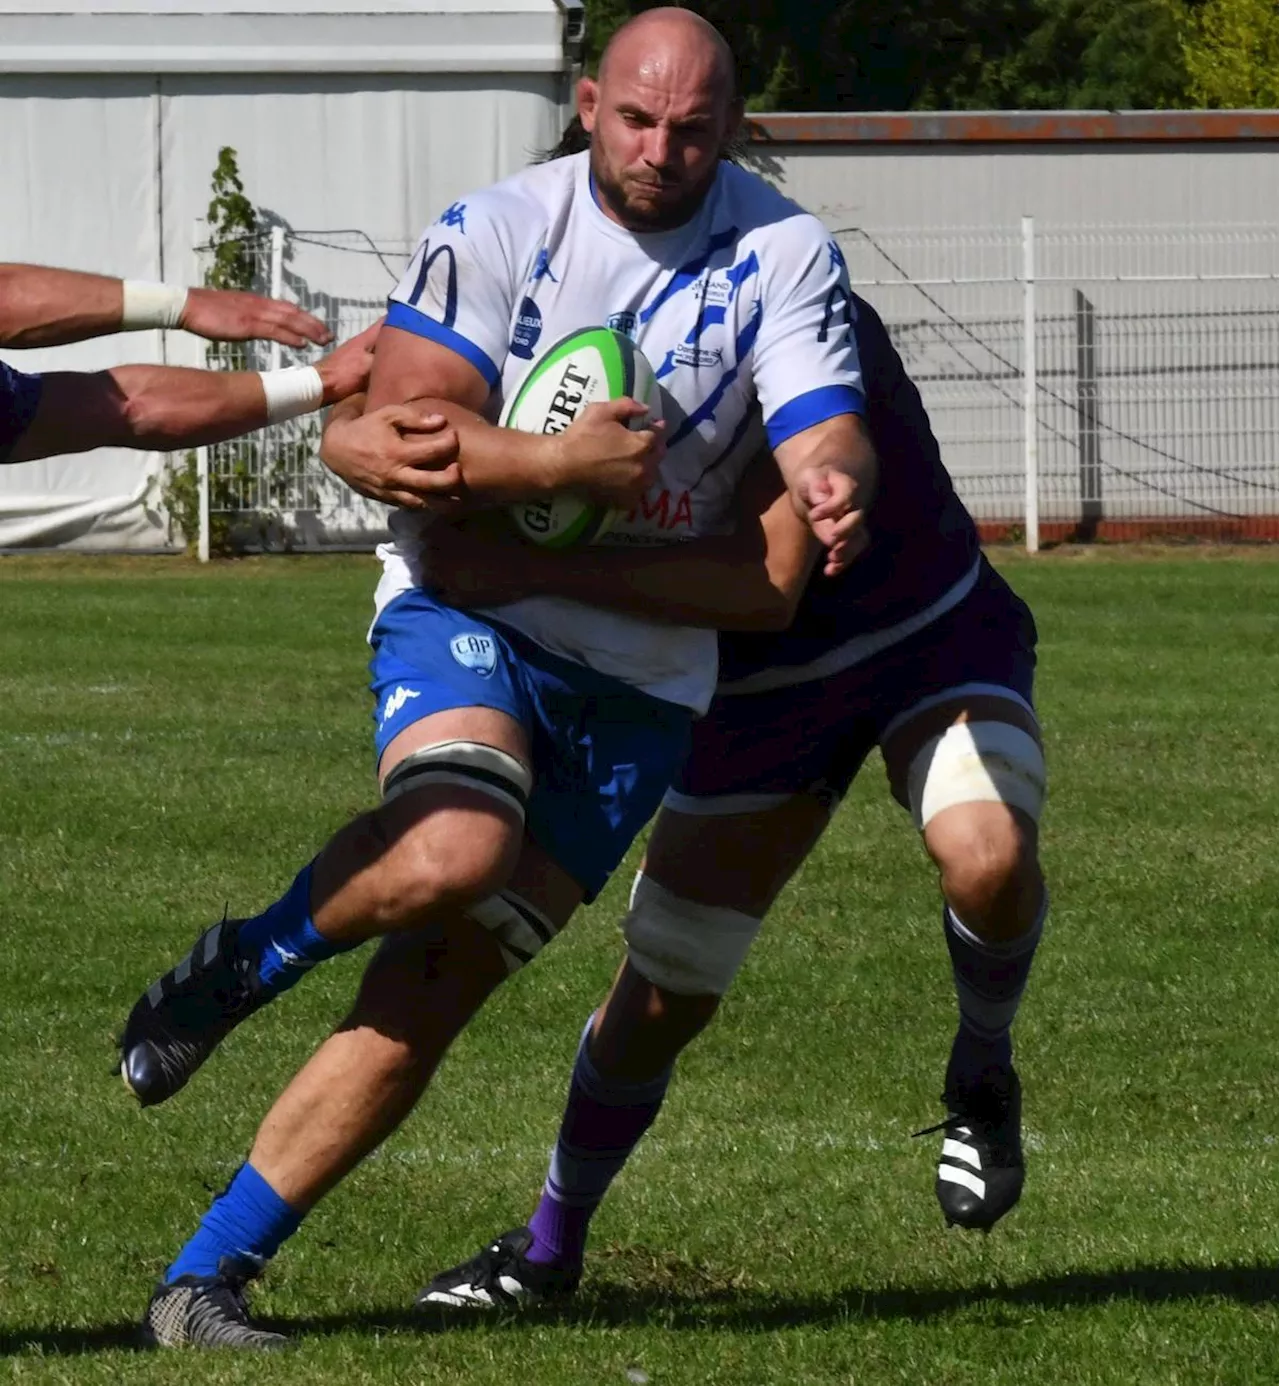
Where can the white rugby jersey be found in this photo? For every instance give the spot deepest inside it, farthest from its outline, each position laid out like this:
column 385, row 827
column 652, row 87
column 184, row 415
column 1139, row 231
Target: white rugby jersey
column 744, row 313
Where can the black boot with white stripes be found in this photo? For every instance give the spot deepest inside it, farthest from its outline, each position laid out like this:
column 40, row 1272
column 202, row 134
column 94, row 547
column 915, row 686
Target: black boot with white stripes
column 980, row 1170
column 500, row 1277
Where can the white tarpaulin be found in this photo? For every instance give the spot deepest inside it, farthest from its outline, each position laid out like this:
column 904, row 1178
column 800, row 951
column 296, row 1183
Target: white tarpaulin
column 112, row 113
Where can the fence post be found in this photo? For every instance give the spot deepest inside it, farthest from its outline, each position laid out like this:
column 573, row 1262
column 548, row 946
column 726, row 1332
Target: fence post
column 277, row 282
column 1087, row 420
column 1030, row 444
column 202, row 483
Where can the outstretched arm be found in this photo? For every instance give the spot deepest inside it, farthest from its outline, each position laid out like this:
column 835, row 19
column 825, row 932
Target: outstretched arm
column 42, row 307
column 750, row 580
column 167, row 407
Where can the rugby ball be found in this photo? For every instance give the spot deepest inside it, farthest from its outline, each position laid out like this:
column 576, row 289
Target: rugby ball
column 592, row 365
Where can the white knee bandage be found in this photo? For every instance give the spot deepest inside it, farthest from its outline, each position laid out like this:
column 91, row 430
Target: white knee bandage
column 520, row 930
column 976, row 762
column 681, row 946
column 468, row 763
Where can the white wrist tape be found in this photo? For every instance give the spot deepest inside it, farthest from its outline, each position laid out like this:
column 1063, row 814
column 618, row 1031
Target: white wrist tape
column 292, row 391
column 151, row 305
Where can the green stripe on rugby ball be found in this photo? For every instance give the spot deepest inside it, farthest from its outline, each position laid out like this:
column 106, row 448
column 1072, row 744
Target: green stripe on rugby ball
column 614, row 358
column 608, row 366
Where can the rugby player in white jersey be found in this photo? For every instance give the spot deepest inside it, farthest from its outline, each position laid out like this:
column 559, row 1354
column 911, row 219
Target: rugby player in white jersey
column 918, row 648
column 520, row 750
column 166, row 407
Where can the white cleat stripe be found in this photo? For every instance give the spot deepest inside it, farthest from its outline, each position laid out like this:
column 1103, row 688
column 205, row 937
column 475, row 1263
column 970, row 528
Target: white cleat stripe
column 950, row 1175
column 464, row 1297
column 966, row 1154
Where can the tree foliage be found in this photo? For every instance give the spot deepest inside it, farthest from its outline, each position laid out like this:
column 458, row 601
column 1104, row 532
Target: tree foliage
column 895, row 55
column 1229, row 47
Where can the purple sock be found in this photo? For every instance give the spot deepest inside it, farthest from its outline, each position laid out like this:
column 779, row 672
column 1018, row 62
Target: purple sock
column 989, row 978
column 603, row 1122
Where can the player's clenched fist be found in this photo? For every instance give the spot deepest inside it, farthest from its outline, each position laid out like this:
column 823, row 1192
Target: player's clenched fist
column 603, row 456
column 401, row 454
column 826, row 498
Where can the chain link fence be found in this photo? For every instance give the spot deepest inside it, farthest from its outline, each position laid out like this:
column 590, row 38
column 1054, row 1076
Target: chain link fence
column 1153, row 376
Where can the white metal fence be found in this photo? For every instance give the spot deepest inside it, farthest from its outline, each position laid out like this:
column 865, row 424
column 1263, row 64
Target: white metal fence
column 1148, row 404
column 1149, row 400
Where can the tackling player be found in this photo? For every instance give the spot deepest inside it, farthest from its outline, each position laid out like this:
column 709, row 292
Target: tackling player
column 920, row 648
column 550, row 715
column 164, row 407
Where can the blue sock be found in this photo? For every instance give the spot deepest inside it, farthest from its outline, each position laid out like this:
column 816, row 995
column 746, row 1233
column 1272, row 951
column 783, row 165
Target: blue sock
column 248, row 1220
column 283, row 941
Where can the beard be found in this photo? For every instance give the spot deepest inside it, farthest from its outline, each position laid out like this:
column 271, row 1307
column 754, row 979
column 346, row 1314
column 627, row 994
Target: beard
column 640, row 215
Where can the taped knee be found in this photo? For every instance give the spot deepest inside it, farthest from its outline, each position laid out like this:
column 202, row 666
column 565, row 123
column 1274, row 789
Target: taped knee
column 520, row 931
column 682, row 946
column 471, row 764
column 977, row 762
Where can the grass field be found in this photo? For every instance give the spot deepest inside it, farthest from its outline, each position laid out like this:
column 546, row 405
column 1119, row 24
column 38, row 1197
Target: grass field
column 171, row 739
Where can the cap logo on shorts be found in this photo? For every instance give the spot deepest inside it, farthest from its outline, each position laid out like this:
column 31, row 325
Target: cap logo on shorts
column 476, row 652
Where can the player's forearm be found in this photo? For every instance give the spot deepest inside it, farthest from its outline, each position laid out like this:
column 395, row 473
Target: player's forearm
column 49, row 307
column 729, row 583
column 499, row 466
column 705, row 582
column 841, row 445
column 167, row 407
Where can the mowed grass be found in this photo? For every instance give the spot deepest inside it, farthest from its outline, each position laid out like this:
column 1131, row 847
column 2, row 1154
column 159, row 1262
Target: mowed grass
column 172, row 739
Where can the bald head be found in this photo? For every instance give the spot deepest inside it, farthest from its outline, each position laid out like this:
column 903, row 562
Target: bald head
column 659, row 114
column 669, row 38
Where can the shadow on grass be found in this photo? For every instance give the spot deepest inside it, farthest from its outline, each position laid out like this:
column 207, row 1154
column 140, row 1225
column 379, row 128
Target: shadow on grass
column 742, row 1306
column 700, row 1302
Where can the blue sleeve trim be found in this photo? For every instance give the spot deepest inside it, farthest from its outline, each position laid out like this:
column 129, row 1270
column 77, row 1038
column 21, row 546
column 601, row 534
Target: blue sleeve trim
column 19, row 400
column 826, row 402
column 411, row 320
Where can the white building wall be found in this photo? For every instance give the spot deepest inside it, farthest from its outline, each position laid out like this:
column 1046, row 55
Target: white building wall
column 112, row 113
column 939, row 185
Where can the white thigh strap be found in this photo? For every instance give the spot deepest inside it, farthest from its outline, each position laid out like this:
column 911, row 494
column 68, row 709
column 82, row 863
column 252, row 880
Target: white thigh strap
column 470, row 763
column 977, row 762
column 684, row 947
column 520, row 930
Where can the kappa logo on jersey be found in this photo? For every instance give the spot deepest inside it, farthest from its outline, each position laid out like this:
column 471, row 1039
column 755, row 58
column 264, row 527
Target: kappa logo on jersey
column 622, row 322
column 396, row 701
column 454, row 215
column 476, row 652
column 542, row 268
column 527, row 330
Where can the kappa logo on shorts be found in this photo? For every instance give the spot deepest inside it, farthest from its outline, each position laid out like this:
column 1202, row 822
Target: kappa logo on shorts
column 476, row 652
column 396, row 701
